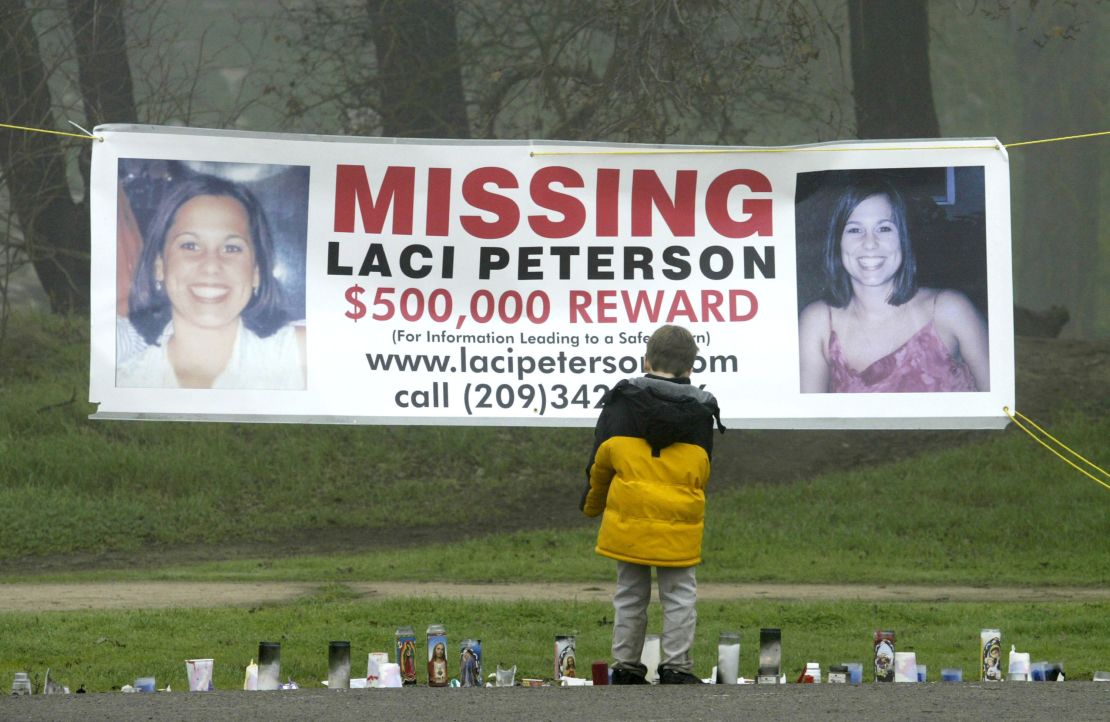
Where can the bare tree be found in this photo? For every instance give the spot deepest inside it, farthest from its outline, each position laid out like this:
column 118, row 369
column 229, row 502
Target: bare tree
column 103, row 67
column 55, row 228
column 71, row 59
column 890, row 69
column 646, row 71
column 104, row 73
column 416, row 46
column 380, row 66
column 643, row 70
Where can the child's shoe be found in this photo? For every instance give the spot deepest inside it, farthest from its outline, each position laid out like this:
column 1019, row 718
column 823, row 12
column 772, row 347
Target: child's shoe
column 624, row 676
column 674, row 676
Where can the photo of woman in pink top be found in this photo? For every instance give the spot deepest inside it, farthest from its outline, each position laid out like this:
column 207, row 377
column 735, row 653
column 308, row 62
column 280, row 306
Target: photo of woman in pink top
column 875, row 330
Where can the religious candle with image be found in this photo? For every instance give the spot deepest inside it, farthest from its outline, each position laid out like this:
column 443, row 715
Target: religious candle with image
column 470, row 663
column 565, row 662
column 990, row 651
column 406, row 654
column 437, row 656
column 884, row 655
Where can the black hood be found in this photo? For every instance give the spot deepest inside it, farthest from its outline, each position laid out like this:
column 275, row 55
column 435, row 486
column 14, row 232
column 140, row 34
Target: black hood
column 667, row 411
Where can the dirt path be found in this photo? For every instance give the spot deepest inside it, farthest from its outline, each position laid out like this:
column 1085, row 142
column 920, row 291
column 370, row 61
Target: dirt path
column 154, row 595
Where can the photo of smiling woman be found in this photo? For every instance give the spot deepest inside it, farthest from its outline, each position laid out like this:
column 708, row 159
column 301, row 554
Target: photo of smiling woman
column 205, row 307
column 876, row 328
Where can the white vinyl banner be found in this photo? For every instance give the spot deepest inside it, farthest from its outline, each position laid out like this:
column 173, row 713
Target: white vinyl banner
column 292, row 278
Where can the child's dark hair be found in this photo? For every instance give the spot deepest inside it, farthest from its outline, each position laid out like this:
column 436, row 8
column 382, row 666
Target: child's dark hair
column 671, row 350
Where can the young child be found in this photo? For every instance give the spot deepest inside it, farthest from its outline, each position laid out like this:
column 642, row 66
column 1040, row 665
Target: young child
column 648, row 473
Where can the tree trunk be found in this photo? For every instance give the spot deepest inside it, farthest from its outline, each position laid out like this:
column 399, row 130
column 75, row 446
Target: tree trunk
column 890, row 69
column 103, row 69
column 1058, row 261
column 55, row 228
column 418, row 68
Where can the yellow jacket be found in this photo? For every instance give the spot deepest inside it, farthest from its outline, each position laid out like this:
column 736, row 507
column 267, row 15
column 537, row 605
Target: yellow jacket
column 649, row 471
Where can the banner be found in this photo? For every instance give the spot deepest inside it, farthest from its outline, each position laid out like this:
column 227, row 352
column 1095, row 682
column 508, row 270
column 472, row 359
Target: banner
column 292, row 278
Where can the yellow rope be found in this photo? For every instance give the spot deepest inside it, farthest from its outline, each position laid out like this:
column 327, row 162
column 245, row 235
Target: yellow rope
column 833, row 149
column 1014, row 417
column 51, row 132
column 712, row 151
column 734, row 151
column 1053, row 140
column 699, row 151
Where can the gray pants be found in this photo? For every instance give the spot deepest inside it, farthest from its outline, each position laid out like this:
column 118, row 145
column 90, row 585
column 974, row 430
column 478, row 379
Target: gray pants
column 678, row 593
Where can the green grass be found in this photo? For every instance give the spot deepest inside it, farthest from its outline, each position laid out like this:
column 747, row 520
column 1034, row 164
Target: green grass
column 104, row 650
column 1003, row 512
column 68, row 484
column 1000, row 512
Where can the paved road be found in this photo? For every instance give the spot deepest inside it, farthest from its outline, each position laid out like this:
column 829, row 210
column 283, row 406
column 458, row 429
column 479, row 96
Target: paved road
column 148, row 595
column 968, row 701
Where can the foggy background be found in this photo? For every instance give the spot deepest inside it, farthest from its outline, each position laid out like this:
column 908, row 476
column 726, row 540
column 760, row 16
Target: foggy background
column 733, row 73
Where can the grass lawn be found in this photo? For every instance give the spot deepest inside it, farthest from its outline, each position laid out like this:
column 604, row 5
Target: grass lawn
column 1002, row 512
column 104, row 650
